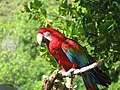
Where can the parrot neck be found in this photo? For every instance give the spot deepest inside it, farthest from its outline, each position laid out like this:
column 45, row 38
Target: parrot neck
column 55, row 43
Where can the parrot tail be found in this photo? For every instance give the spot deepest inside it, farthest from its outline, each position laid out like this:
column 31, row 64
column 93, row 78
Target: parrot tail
column 90, row 81
column 94, row 77
column 102, row 78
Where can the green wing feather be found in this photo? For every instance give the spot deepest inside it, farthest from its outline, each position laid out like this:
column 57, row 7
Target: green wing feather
column 79, row 58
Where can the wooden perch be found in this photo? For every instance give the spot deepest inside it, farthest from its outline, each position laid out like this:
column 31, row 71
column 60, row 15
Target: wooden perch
column 79, row 71
column 84, row 69
column 50, row 82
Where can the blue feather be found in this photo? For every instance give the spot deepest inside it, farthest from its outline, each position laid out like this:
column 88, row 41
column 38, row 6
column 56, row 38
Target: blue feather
column 80, row 59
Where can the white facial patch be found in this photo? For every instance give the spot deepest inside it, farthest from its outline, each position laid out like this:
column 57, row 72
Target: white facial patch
column 46, row 35
column 39, row 38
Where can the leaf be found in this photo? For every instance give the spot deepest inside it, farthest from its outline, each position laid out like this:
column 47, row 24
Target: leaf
column 37, row 3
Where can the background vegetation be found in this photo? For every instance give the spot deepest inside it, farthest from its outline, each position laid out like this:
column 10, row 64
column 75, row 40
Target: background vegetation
column 93, row 23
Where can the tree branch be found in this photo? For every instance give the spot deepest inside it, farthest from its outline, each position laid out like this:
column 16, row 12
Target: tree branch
column 79, row 71
column 50, row 82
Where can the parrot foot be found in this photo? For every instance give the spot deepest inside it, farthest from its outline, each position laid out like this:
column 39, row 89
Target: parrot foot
column 69, row 73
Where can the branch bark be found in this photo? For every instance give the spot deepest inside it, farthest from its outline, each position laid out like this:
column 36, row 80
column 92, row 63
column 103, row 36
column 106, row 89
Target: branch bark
column 52, row 82
column 48, row 81
column 79, row 71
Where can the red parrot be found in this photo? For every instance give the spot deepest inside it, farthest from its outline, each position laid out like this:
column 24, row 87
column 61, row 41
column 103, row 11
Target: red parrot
column 69, row 54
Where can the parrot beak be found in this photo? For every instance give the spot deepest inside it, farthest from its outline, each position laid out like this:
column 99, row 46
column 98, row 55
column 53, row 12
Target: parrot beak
column 41, row 39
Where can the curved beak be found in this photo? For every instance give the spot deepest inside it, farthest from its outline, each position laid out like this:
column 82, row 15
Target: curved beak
column 41, row 39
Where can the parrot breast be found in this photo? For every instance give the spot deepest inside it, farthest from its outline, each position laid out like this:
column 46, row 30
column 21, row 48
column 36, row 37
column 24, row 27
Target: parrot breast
column 56, row 51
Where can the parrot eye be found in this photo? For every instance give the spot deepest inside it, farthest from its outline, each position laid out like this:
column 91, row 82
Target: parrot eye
column 46, row 33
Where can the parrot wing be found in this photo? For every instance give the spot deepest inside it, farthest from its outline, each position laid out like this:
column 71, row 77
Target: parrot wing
column 78, row 57
column 75, row 53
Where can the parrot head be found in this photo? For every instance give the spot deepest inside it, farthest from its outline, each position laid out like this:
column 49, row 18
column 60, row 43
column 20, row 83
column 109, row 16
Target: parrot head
column 46, row 35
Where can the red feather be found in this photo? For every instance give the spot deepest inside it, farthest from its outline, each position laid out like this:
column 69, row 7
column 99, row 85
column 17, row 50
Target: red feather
column 55, row 48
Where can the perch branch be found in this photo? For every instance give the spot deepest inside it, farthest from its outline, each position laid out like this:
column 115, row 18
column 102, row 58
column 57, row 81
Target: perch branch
column 79, row 71
column 50, row 82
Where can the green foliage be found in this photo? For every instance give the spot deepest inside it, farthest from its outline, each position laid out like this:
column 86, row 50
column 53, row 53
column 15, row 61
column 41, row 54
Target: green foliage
column 93, row 23
column 21, row 62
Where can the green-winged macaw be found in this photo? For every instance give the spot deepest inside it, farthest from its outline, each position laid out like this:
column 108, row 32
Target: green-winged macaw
column 69, row 54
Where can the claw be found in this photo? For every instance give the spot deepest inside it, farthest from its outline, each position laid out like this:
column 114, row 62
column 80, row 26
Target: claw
column 70, row 72
column 66, row 74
